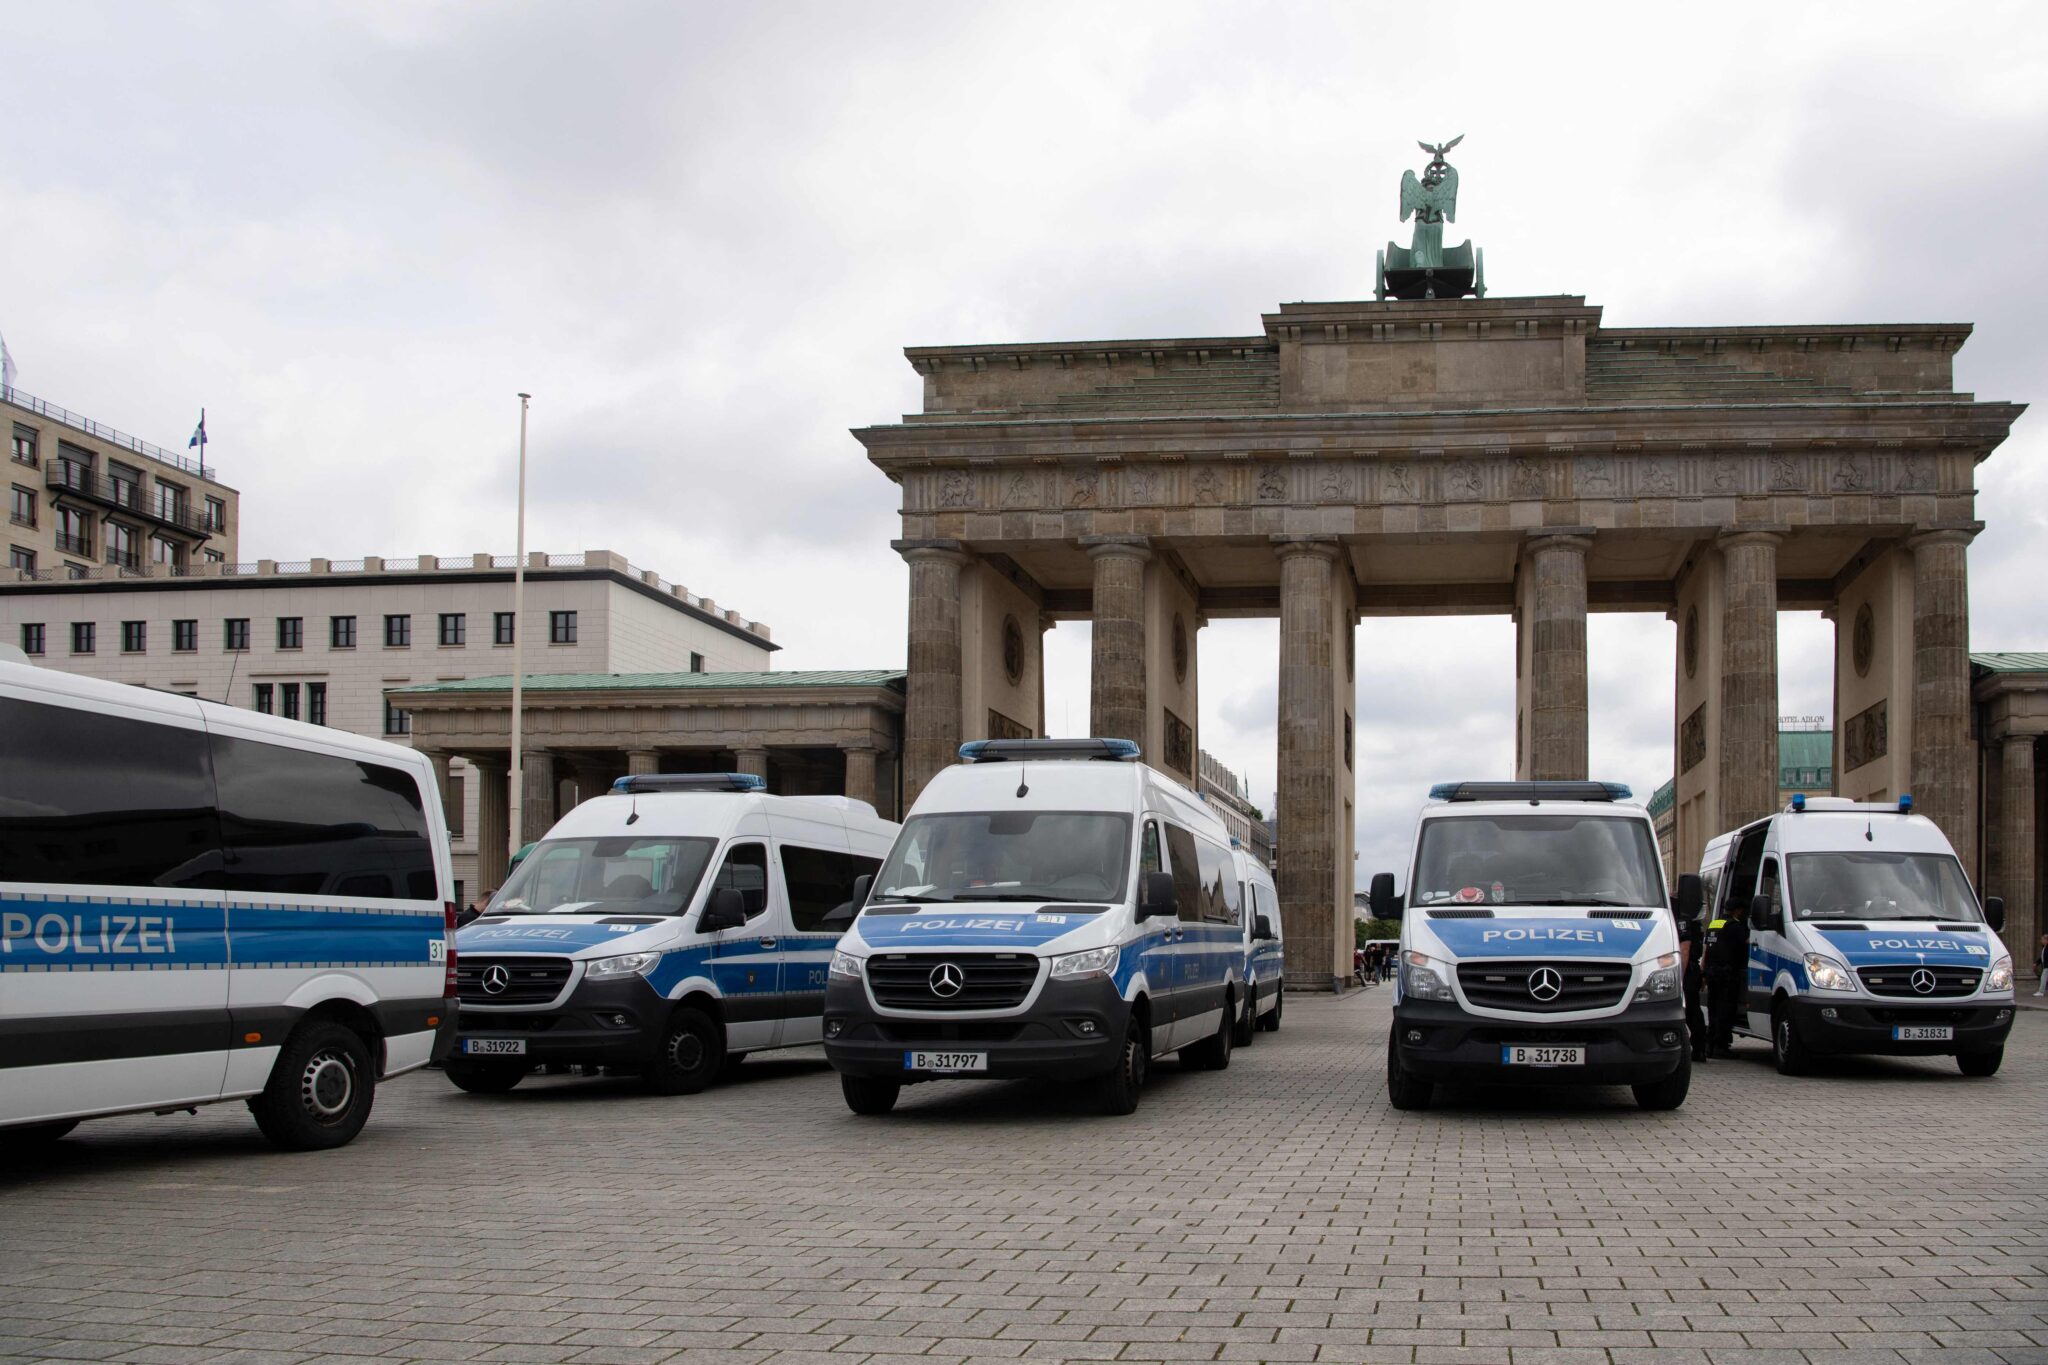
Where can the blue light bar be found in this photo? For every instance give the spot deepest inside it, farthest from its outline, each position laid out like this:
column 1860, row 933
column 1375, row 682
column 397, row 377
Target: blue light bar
column 636, row 784
column 1530, row 791
column 1905, row 801
column 1017, row 750
column 1798, row 801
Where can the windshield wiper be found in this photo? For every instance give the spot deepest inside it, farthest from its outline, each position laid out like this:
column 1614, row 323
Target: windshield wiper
column 908, row 899
column 1580, row 900
column 1004, row 896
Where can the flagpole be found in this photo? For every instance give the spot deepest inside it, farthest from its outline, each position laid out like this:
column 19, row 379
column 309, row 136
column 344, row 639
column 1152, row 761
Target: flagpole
column 515, row 803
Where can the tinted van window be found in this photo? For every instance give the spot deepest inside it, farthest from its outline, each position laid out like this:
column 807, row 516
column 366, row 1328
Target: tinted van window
column 307, row 824
column 820, row 882
column 89, row 798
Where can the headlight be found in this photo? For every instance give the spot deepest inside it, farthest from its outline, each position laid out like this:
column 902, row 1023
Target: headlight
column 2001, row 976
column 845, row 964
column 1094, row 962
column 1826, row 974
column 625, row 964
column 1662, row 980
column 1428, row 979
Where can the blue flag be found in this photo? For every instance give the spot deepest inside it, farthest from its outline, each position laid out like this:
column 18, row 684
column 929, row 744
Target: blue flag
column 198, row 433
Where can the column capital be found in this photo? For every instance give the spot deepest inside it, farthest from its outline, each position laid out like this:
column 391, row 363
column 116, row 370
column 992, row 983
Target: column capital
column 1943, row 535
column 1134, row 547
column 1578, row 538
column 1288, row 546
column 1752, row 535
column 944, row 551
column 859, row 748
column 490, row 761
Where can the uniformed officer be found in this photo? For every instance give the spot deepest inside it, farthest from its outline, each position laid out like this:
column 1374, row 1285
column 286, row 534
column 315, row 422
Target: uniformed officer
column 1726, row 974
column 1692, row 952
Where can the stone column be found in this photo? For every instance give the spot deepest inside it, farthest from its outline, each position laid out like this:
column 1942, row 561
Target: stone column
column 493, row 814
column 1943, row 756
column 2016, row 851
column 1045, row 623
column 1556, row 565
column 860, row 776
column 1116, row 687
column 1310, row 662
column 753, row 761
column 1749, row 676
column 931, row 704
column 451, row 809
column 642, row 762
column 536, row 794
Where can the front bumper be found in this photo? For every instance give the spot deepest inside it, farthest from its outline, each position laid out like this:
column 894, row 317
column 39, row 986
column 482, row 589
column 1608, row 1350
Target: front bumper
column 1072, row 1030
column 1643, row 1043
column 605, row 1023
column 1850, row 1026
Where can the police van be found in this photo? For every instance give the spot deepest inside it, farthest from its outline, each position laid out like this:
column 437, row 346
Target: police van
column 1864, row 937
column 200, row 904
column 1054, row 909
column 1265, row 956
column 1538, row 945
column 667, row 928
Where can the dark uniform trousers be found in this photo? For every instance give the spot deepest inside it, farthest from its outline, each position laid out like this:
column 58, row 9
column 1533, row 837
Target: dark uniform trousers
column 1695, row 1014
column 1724, row 998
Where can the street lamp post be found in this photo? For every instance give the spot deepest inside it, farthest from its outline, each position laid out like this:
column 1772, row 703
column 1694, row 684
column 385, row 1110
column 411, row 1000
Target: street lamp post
column 516, row 796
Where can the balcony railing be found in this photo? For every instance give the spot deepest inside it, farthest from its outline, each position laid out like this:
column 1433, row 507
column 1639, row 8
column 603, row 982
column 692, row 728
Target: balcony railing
column 104, row 432
column 69, row 476
column 17, row 519
column 123, row 559
column 74, row 545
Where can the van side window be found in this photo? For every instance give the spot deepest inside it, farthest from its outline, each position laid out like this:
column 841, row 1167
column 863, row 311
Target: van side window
column 1148, row 856
column 746, row 871
column 1742, row 870
column 1767, row 883
column 306, row 824
column 819, row 882
column 1220, row 899
column 87, row 797
column 1187, row 873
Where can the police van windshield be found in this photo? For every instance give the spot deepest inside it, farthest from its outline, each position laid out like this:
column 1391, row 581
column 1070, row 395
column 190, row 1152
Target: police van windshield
column 1022, row 855
column 605, row 876
column 1865, row 884
column 1537, row 860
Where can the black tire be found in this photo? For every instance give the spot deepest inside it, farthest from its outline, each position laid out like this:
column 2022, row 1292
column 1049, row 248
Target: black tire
column 1788, row 1048
column 1116, row 1091
column 320, row 1089
column 1213, row 1052
column 1246, row 1026
column 1984, row 1063
column 730, row 1067
column 691, row 1051
column 869, row 1095
column 34, row 1137
column 1279, row 996
column 486, row 1078
column 1668, row 1093
column 1405, row 1090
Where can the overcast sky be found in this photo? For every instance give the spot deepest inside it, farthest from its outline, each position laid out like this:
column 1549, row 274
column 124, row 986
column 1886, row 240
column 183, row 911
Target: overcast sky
column 701, row 236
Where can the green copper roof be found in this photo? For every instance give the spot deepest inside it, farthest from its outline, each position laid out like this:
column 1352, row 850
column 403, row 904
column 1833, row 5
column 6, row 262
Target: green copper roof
column 2010, row 663
column 642, row 682
column 1663, row 799
column 1805, row 749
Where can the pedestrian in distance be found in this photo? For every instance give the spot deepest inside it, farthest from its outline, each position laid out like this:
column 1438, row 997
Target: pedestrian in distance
column 1727, row 970
column 2041, row 967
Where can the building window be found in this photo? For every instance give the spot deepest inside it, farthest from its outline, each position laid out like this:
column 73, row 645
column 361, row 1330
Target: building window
column 72, row 570
column 121, row 546
column 22, row 510
column 696, row 662
column 32, row 637
column 25, row 446
column 561, row 627
column 397, row 634
column 235, row 634
column 184, row 637
column 454, row 628
column 216, row 514
column 74, row 531
column 316, row 703
column 81, row 637
column 291, row 632
column 501, row 627
column 262, row 700
column 288, row 697
column 396, row 722
column 126, row 485
column 170, row 502
column 22, row 558
column 134, row 637
column 214, row 557
column 163, row 552
column 341, row 632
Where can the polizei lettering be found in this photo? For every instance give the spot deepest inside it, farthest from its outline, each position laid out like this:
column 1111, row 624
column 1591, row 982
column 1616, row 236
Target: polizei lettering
column 925, row 922
column 1924, row 945
column 1542, row 936
column 88, row 935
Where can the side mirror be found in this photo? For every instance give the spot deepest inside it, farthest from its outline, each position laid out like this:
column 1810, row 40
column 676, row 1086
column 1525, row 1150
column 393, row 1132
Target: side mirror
column 1262, row 929
column 1385, row 904
column 1690, row 896
column 1156, row 895
column 726, row 909
column 862, row 884
column 1994, row 913
column 1763, row 913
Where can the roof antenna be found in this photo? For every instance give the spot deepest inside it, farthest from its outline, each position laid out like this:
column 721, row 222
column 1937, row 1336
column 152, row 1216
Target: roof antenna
column 1023, row 771
column 633, row 811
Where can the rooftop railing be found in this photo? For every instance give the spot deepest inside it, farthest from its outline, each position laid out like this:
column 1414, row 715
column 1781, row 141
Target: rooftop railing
column 79, row 422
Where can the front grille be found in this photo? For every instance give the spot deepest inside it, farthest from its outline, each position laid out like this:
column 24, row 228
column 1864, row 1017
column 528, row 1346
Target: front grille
column 528, row 980
column 1461, row 914
column 1517, row 986
column 987, row 981
column 1899, row 979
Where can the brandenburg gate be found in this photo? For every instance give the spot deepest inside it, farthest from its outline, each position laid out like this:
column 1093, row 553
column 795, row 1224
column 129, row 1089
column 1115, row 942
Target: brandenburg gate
column 1446, row 456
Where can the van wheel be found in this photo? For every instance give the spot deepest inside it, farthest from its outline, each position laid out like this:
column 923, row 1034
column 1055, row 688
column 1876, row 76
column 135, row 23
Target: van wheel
column 1668, row 1093
column 1270, row 1020
column 320, row 1091
column 1981, row 1063
column 1246, row 1026
column 730, row 1067
column 1405, row 1089
column 1213, row 1052
column 1787, row 1047
column 1117, row 1090
column 691, row 1052
column 34, row 1137
column 868, row 1095
column 486, row 1078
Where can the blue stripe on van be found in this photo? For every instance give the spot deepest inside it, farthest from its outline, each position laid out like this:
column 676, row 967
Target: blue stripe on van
column 100, row 933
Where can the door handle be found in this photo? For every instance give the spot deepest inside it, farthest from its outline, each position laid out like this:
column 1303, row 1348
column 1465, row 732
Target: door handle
column 767, row 943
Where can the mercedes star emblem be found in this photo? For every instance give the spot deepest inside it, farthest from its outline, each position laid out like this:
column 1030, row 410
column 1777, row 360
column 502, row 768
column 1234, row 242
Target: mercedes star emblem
column 946, row 980
column 1545, row 984
column 1923, row 981
column 496, row 979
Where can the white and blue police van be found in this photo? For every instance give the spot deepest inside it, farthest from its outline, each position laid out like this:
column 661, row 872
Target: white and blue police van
column 1053, row 909
column 1265, row 952
column 200, row 904
column 668, row 929
column 1538, row 945
column 1865, row 937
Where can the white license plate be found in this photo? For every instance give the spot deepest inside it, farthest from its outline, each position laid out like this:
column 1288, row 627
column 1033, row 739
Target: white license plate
column 494, row 1047
column 1923, row 1033
column 945, row 1061
column 1517, row 1055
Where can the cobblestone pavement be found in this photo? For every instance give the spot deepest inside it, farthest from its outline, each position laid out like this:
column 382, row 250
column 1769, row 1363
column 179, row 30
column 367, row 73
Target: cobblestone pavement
column 1887, row 1211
